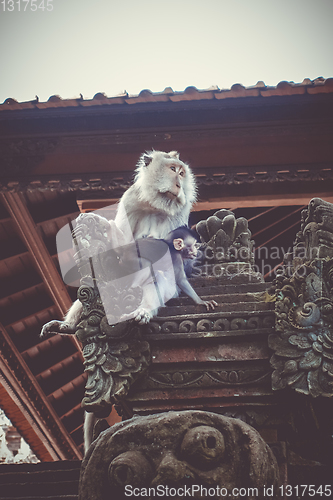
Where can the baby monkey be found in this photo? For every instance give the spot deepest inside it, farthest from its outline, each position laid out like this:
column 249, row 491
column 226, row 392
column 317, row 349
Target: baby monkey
column 183, row 245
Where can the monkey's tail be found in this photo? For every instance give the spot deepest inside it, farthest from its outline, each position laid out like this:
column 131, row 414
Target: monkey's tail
column 73, row 314
column 88, row 429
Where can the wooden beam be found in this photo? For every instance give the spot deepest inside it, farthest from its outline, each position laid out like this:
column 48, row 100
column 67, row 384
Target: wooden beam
column 229, row 202
column 260, row 201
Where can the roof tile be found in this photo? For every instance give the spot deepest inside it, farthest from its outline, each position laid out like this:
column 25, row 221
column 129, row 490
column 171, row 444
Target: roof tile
column 322, row 87
column 192, row 94
column 283, row 88
column 148, row 96
column 237, row 90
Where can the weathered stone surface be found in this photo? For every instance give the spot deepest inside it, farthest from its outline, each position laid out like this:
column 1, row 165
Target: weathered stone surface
column 303, row 342
column 115, row 354
column 227, row 239
column 178, row 449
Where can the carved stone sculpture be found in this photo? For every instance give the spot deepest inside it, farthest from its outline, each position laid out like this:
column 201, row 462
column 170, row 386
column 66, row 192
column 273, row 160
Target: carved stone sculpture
column 227, row 247
column 303, row 343
column 114, row 352
column 178, row 450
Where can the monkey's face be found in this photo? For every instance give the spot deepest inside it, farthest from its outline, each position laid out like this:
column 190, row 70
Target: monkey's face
column 165, row 182
column 189, row 248
column 171, row 175
column 174, row 173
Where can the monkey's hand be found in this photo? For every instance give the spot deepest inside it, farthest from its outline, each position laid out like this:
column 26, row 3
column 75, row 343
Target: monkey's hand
column 56, row 327
column 209, row 304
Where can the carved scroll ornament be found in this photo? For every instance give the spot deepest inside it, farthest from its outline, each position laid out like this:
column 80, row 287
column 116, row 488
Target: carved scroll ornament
column 303, row 344
column 114, row 353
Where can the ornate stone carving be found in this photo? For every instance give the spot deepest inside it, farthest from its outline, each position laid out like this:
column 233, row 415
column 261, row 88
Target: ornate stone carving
column 207, row 378
column 179, row 450
column 227, row 250
column 215, row 323
column 303, row 344
column 228, row 239
column 114, row 352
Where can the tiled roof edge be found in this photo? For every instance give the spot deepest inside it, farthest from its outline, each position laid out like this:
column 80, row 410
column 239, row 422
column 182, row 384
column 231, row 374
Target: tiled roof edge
column 318, row 86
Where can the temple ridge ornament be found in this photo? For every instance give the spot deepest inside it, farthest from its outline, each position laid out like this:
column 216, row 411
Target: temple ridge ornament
column 303, row 343
column 227, row 249
column 228, row 239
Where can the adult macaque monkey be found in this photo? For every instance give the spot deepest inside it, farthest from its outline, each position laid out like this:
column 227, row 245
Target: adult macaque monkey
column 159, row 201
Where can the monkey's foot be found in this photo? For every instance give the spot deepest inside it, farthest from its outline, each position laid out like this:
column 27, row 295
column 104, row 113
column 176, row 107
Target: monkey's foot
column 56, row 327
column 142, row 316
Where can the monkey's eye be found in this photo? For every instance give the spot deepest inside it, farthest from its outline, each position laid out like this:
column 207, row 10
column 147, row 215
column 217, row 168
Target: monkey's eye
column 173, row 168
column 182, row 173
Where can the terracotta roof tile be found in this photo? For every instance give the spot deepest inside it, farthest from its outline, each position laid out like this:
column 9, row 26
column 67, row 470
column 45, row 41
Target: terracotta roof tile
column 148, row 96
column 192, row 94
column 237, row 90
column 322, row 87
column 283, row 88
column 318, row 86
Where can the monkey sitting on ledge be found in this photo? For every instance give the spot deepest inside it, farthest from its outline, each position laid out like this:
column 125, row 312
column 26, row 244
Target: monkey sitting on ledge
column 159, row 201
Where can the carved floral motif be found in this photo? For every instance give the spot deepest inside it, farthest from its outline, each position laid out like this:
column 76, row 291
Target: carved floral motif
column 303, row 344
column 207, row 378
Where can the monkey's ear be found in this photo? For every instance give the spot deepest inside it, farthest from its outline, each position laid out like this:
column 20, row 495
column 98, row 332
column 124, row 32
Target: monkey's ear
column 178, row 244
column 147, row 159
column 174, row 154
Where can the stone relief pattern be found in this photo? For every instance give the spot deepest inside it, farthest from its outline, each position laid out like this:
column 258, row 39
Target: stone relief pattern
column 207, row 378
column 303, row 343
column 114, row 352
column 232, row 322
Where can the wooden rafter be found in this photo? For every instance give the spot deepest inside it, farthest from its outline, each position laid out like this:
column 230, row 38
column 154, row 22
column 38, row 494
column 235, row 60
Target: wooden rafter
column 48, row 433
column 38, row 251
column 29, row 233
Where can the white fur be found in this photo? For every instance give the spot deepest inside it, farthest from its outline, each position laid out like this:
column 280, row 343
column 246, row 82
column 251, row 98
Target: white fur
column 88, row 429
column 146, row 205
column 73, row 315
